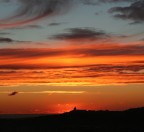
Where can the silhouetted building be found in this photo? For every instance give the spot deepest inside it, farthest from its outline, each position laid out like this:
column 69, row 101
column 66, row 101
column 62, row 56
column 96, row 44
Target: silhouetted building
column 75, row 109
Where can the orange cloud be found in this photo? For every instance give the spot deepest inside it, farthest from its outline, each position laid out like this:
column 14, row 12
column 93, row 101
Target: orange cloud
column 73, row 66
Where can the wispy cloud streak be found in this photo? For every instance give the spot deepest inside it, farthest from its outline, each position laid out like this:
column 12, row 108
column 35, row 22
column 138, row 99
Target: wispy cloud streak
column 84, row 51
column 33, row 10
column 45, row 92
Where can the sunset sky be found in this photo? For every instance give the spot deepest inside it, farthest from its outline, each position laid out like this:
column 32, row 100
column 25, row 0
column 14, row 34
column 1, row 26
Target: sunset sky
column 58, row 54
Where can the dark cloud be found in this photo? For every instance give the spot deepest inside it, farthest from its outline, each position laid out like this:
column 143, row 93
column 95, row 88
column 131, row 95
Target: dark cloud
column 107, row 1
column 6, row 40
column 120, row 68
column 111, row 51
column 29, row 53
column 82, row 33
column 56, row 23
column 29, row 27
column 97, row 2
column 142, row 39
column 32, row 10
column 9, row 40
column 4, row 33
column 134, row 12
column 28, row 66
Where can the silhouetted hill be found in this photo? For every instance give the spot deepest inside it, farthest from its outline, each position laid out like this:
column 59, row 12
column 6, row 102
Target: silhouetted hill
column 131, row 120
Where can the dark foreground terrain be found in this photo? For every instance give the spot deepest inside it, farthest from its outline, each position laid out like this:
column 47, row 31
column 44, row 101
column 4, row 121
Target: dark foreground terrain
column 131, row 120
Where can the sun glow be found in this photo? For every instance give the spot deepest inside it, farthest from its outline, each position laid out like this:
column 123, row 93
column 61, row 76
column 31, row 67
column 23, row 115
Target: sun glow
column 60, row 108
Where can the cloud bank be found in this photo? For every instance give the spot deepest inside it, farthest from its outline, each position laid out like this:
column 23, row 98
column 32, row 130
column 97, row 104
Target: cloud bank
column 134, row 12
column 6, row 40
column 33, row 10
column 82, row 34
column 86, row 51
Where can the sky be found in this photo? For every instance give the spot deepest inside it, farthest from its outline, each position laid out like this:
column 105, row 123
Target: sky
column 58, row 54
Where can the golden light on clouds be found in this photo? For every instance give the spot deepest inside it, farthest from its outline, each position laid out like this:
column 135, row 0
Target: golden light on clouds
column 45, row 92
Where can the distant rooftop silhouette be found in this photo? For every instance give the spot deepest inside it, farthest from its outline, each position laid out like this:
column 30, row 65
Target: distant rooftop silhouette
column 75, row 109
